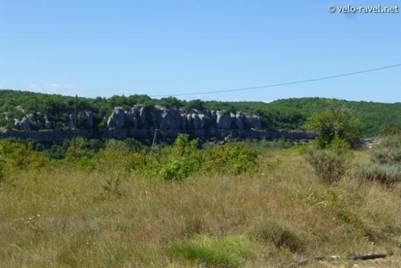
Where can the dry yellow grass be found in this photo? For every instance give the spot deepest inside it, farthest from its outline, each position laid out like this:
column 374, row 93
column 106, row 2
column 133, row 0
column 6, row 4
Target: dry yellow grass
column 64, row 218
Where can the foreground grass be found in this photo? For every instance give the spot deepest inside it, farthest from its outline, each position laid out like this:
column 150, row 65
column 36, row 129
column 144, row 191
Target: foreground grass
column 274, row 216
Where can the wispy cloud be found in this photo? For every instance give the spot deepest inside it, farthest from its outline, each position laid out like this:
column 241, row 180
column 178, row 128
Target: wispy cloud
column 57, row 85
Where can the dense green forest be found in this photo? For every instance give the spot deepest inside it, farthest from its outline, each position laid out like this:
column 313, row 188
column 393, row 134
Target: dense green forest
column 280, row 114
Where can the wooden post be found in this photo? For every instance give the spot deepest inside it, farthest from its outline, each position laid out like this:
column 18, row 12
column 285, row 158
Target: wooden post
column 75, row 126
column 154, row 142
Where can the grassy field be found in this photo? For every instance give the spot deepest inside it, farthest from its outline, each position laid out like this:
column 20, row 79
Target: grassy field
column 278, row 214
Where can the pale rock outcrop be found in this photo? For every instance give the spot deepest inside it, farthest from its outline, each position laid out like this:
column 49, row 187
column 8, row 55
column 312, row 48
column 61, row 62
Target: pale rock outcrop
column 240, row 121
column 117, row 118
column 254, row 122
column 47, row 123
column 223, row 120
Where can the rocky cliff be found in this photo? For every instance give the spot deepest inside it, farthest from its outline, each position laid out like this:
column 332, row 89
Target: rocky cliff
column 145, row 123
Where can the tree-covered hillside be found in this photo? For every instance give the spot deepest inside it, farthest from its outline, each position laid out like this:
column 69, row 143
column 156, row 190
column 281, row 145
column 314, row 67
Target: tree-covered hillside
column 280, row 114
column 291, row 113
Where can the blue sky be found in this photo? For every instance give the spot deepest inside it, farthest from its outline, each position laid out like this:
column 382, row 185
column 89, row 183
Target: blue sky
column 103, row 48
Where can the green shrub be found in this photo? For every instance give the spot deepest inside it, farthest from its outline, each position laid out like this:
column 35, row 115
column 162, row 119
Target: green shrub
column 271, row 232
column 184, row 159
column 329, row 165
column 350, row 217
column 174, row 162
column 183, row 146
column 334, row 123
column 177, row 169
column 57, row 152
column 16, row 156
column 231, row 158
column 86, row 163
column 111, row 159
column 130, row 145
column 231, row 251
column 339, row 146
column 383, row 173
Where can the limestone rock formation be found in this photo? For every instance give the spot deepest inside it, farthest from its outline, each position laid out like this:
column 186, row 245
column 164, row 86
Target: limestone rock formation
column 142, row 122
column 158, row 117
column 223, row 120
column 117, row 118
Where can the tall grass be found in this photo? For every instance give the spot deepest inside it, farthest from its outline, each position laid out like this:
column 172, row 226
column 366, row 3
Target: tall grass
column 62, row 216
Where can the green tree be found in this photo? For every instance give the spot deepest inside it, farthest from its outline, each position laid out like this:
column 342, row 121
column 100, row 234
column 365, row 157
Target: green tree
column 333, row 124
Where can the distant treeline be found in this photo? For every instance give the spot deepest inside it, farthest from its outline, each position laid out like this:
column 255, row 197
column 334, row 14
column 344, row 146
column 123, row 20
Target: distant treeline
column 284, row 114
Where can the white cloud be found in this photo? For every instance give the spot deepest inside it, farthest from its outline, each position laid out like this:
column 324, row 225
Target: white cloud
column 56, row 85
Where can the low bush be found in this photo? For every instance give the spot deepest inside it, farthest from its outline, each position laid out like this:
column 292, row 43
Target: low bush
column 383, row 173
column 385, row 163
column 115, row 157
column 16, row 156
column 388, row 151
column 57, row 152
column 329, row 165
column 230, row 251
column 177, row 169
column 272, row 232
column 185, row 158
column 232, row 158
column 180, row 160
column 130, row 145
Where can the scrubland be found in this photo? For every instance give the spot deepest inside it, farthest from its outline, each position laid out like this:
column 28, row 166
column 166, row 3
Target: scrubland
column 266, row 208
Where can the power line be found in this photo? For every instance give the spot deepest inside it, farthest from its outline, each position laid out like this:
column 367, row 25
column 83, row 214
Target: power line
column 288, row 83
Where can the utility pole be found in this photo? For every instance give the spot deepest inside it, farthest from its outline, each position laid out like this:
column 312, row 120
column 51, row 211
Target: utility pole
column 154, row 142
column 75, row 125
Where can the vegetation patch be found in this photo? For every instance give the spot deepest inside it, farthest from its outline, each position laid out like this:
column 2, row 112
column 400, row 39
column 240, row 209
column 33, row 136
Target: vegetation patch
column 271, row 232
column 336, row 123
column 327, row 164
column 384, row 173
column 231, row 251
column 385, row 163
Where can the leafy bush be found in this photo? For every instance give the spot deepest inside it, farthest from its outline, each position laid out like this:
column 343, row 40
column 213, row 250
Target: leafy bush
column 183, row 146
column 339, row 146
column 130, row 145
column 232, row 158
column 57, row 152
column 335, row 123
column 184, row 158
column 116, row 157
column 83, row 153
column 16, row 156
column 177, row 169
column 329, row 165
column 230, row 251
column 278, row 235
